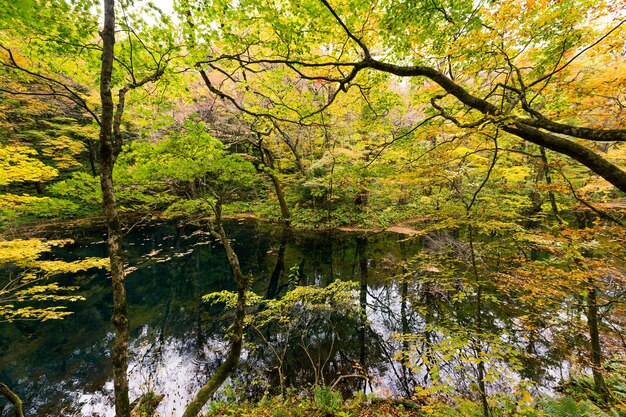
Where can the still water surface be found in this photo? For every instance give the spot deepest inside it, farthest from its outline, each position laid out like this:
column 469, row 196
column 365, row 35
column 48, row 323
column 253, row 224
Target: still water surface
column 62, row 368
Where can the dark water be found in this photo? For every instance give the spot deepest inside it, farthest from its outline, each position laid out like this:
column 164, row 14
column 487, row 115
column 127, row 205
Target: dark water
column 409, row 335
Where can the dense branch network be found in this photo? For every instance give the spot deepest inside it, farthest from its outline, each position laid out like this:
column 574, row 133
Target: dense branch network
column 537, row 128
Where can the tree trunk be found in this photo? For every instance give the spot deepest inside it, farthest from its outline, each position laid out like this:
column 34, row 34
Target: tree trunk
column 268, row 159
column 544, row 160
column 13, row 398
column 280, row 195
column 596, row 348
column 481, row 364
column 107, row 161
column 236, row 336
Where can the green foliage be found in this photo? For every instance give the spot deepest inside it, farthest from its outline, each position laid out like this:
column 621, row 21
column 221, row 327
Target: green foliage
column 80, row 187
column 298, row 305
column 187, row 208
column 14, row 207
column 582, row 387
column 327, row 400
column 303, row 304
column 187, row 173
column 566, row 407
column 22, row 167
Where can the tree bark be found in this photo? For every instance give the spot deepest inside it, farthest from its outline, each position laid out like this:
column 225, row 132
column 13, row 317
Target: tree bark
column 107, row 161
column 268, row 159
column 280, row 195
column 548, row 177
column 92, row 158
column 13, row 398
column 481, row 364
column 527, row 129
column 236, row 336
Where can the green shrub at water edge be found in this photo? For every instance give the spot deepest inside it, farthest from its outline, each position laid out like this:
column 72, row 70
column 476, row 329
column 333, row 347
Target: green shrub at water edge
column 327, row 399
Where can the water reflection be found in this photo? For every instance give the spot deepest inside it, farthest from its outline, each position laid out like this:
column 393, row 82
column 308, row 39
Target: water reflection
column 407, row 328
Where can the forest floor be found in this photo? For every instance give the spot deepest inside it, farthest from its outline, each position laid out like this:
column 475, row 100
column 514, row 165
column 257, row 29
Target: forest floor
column 326, row 405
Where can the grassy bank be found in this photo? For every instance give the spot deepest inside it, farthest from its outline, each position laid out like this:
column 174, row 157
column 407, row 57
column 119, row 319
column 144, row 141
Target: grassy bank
column 325, row 402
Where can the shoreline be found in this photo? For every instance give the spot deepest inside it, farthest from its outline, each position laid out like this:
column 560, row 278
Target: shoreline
column 133, row 219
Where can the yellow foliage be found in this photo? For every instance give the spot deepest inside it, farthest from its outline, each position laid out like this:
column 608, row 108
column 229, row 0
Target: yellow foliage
column 32, row 281
column 17, row 165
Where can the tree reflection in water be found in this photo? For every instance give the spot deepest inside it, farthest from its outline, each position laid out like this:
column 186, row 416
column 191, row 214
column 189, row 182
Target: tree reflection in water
column 407, row 329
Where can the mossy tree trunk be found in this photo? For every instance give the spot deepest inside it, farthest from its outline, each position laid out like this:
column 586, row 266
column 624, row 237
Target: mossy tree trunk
column 267, row 159
column 13, row 399
column 237, row 329
column 107, row 161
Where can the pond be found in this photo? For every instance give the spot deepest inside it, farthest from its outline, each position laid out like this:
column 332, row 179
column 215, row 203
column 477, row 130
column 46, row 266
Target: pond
column 406, row 335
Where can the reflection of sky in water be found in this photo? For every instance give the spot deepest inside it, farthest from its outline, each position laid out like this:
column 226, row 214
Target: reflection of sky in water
column 175, row 341
column 175, row 368
column 171, row 368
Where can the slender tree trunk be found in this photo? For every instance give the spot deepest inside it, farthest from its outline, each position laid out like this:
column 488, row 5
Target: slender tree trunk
column 596, row 348
column 407, row 378
column 268, row 160
column 236, row 332
column 107, row 161
column 481, row 364
column 13, row 398
column 280, row 195
column 546, row 167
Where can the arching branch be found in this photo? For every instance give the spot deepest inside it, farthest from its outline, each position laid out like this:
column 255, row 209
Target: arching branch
column 534, row 128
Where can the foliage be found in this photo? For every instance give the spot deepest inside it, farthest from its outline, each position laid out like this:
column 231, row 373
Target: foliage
column 18, row 165
column 318, row 405
column 569, row 407
column 319, row 402
column 306, row 315
column 27, row 280
column 192, row 165
column 463, row 117
column 581, row 387
column 327, row 400
column 80, row 187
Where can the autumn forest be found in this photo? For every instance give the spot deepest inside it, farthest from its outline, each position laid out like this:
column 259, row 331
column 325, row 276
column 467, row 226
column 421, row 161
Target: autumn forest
column 312, row 208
